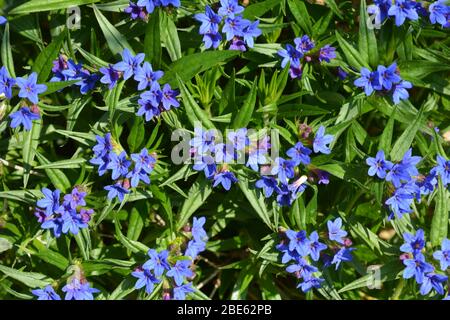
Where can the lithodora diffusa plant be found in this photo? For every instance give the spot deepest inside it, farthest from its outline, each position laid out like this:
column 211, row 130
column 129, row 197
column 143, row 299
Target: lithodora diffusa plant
column 262, row 149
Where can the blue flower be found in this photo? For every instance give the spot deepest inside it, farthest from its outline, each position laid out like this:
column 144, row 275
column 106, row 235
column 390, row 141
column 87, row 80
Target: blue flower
column 179, row 293
column 284, row 169
column 400, row 92
column 416, row 267
column 148, row 108
column 380, row 9
column 400, row 202
column 154, row 95
column 439, row 11
column 304, row 44
column 75, row 198
column 290, row 54
column 116, row 190
column 427, row 184
column 378, row 165
column 225, row 178
column 413, row 243
column 343, row 255
column 55, row 224
column 302, row 269
column 398, row 174
column 443, row 169
column 321, row 141
column 129, row 64
column 6, row 83
column 315, row 246
column 299, row 154
column 198, row 233
column 102, row 163
column 146, row 76
column 157, row 262
column 143, row 160
column 29, row 88
column 50, row 202
column 433, row 280
column 110, row 76
column 75, row 290
column 409, row 163
column 135, row 11
column 194, row 247
column 119, row 165
column 3, row 20
column 251, row 31
column 205, row 164
column 284, row 195
column 327, row 53
column 238, row 138
column 23, row 116
column 234, row 27
column 223, row 153
column 443, row 255
column 71, row 221
column 180, row 271
column 268, row 184
column 298, row 241
column 403, row 9
column 148, row 4
column 369, row 80
column 168, row 97
column 388, row 76
column 311, row 282
column 230, row 8
column 88, row 82
column 166, row 3
column 341, row 73
column 210, row 21
column 256, row 157
column 296, row 187
column 238, row 44
column 212, row 39
column 334, row 230
column 48, row 293
column 145, row 278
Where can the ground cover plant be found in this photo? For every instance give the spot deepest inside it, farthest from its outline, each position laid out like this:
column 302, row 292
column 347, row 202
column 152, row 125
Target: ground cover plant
column 271, row 149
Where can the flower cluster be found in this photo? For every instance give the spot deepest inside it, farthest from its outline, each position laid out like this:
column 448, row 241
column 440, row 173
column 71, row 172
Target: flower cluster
column 153, row 101
column 306, row 251
column 276, row 179
column 387, row 80
column 401, row 10
column 106, row 158
column 62, row 218
column 303, row 52
column 28, row 89
column 172, row 264
column 416, row 265
column 143, row 8
column 241, row 32
column 65, row 69
column 77, row 288
column 406, row 180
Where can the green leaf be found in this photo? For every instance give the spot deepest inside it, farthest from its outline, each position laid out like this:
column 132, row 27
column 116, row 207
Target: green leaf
column 137, row 134
column 170, row 37
column 387, row 272
column 30, row 144
column 354, row 58
column 439, row 223
column 256, row 10
column 5, row 245
column 404, row 142
column 367, row 42
column 190, row 65
column 197, row 195
column 245, row 113
column 43, row 63
column 56, row 176
column 30, row 279
column 53, row 87
column 47, row 5
column 333, row 6
column 386, row 136
column 193, row 110
column 301, row 15
column 257, row 202
column 152, row 40
column 116, row 41
column 6, row 53
column 132, row 245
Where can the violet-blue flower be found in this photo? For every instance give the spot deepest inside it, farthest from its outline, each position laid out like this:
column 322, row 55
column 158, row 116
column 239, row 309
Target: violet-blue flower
column 119, row 165
column 321, row 141
column 116, row 190
column 146, row 76
column 50, row 202
column 369, row 81
column 443, row 255
column 388, row 75
column 416, row 267
column 284, row 169
column 230, row 8
column 268, row 184
column 180, row 271
column 401, row 10
column 210, row 21
column 145, row 279
column 129, row 64
column 300, row 154
column 400, row 92
column 225, row 178
column 433, row 281
column 180, row 292
column 335, row 231
column 76, row 290
column 343, row 255
column 327, row 53
column 24, row 116
column 47, row 293
column 29, row 88
column 298, row 241
column 413, row 243
column 315, row 246
column 378, row 165
column 110, row 76
column 157, row 262
column 6, row 83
